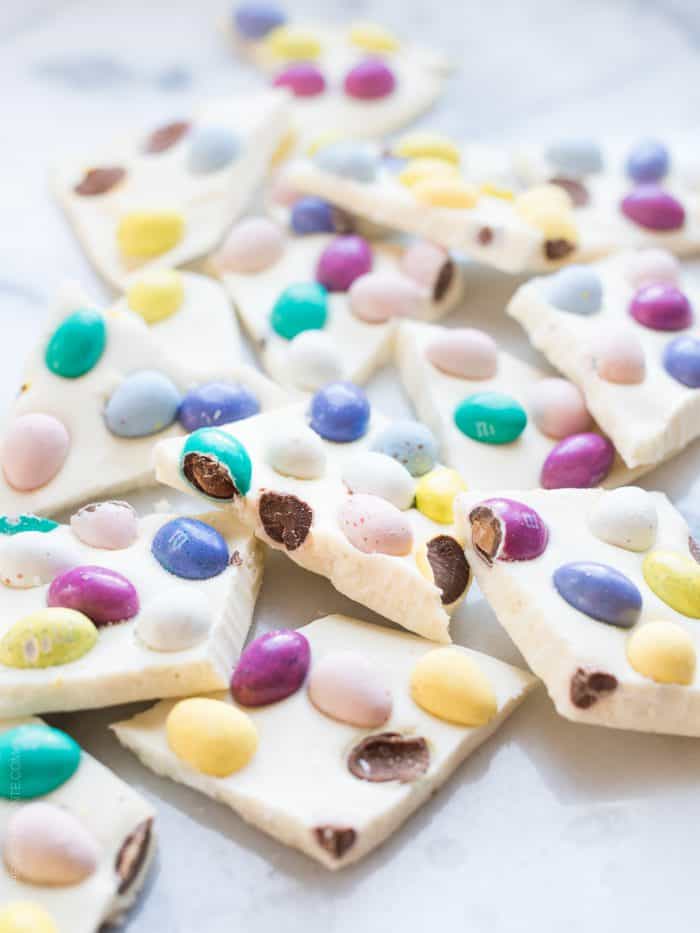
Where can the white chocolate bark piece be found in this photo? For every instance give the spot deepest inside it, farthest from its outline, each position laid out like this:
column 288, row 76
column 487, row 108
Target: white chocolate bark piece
column 185, row 636
column 206, row 201
column 196, row 345
column 119, row 821
column 277, row 791
column 585, row 663
column 436, row 394
column 649, row 420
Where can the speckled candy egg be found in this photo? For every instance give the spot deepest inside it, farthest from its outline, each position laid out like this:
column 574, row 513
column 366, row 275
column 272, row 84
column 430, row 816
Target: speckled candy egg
column 661, row 307
column 77, row 344
column 34, row 558
column 300, row 306
column 653, row 208
column 379, row 475
column 618, row 356
column 464, row 352
column 271, row 668
column 346, row 687
column 430, row 266
column 216, row 403
column 625, row 518
column 504, row 529
column 34, row 450
column 144, row 403
column 175, row 620
column 303, row 79
column 576, row 289
column 340, row 412
column 216, row 464
column 47, row 845
column 682, row 360
column 600, row 592
column 45, row 757
column 345, row 259
column 190, row 549
column 575, row 157
column 110, row 525
column 295, row 450
column 354, row 160
column 409, row 442
column 380, row 296
column 314, row 215
column 578, row 462
column 314, row 359
column 648, row 161
column 647, row 266
column 375, row 526
column 255, row 20
column 371, row 79
column 253, row 245
column 212, row 148
column 47, row 638
column 103, row 595
column 558, row 408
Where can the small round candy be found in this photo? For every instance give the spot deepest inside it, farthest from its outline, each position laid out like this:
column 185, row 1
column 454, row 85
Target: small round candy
column 435, row 494
column 157, row 295
column 302, row 306
column 625, row 518
column 344, row 686
column 429, row 266
column 504, row 529
column 34, row 450
column 345, row 259
column 648, row 266
column 45, row 757
column 600, row 592
column 575, row 157
column 147, row 234
column 102, row 594
column 371, row 79
column 293, row 43
column 175, row 620
column 77, row 344
column 375, row 526
column 340, row 412
column 271, row 668
column 253, row 245
column 662, row 651
column 373, row 38
column 682, row 360
column 578, row 462
column 314, row 215
column 211, row 149
column 254, row 20
column 558, row 408
column 411, row 443
column 380, row 296
column 661, row 307
column 314, row 360
column 144, row 403
column 26, row 917
column 379, row 475
column 354, row 160
column 211, row 736
column 111, row 525
column 576, row 289
column 422, row 144
column 451, row 193
column 295, row 450
column 190, row 549
column 47, row 638
column 618, row 356
column 449, row 684
column 653, row 208
column 216, row 403
column 648, row 161
column 490, row 418
column 34, row 558
column 303, row 79
column 465, row 353
column 675, row 579
column 216, row 464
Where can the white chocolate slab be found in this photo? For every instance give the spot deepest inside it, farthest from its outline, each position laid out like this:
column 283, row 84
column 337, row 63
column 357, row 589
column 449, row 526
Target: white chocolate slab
column 298, row 779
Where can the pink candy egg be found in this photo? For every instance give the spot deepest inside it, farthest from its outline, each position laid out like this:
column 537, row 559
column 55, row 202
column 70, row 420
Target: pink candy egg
column 281, row 192
column 464, row 352
column 372, row 79
column 618, row 357
column 375, row 526
column 110, row 525
column 424, row 262
column 303, row 79
column 344, row 686
column 34, row 450
column 558, row 408
column 379, row 296
column 647, row 266
column 252, row 245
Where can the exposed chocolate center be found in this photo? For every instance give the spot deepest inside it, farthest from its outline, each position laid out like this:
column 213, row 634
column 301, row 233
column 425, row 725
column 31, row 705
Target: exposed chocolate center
column 285, row 518
column 132, row 855
column 558, row 249
column 166, row 136
column 209, row 476
column 485, row 236
column 444, row 280
column 587, row 687
column 100, row 180
column 487, row 532
column 342, row 221
column 390, row 756
column 451, row 571
column 335, row 839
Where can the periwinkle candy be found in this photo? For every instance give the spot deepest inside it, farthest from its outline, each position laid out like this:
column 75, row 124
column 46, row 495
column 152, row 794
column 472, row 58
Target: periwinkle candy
column 599, row 591
column 271, row 668
column 578, row 462
column 255, row 20
column 144, row 403
column 409, row 442
column 682, row 360
column 190, row 549
column 103, row 595
column 648, row 161
column 576, row 289
column 504, row 529
column 340, row 412
column 314, row 215
column 216, row 403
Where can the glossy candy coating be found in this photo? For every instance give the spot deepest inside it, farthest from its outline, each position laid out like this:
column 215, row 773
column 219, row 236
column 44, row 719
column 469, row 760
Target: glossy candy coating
column 147, row 234
column 625, row 518
column 618, row 356
column 578, row 462
column 558, row 408
column 490, row 418
column 345, row 259
column 46, row 845
column 663, row 652
column 419, row 170
column 648, row 161
column 272, row 668
column 411, row 443
column 102, row 594
column 425, row 263
column 216, row 464
column 302, row 306
column 505, row 529
column 375, row 526
column 314, row 360
column 465, row 353
column 675, row 579
column 575, row 157
column 34, row 450
column 293, row 43
column 303, row 79
column 111, row 525
column 157, row 295
column 682, row 360
column 653, row 208
column 340, row 412
column 661, row 307
column 649, row 266
column 451, row 193
column 175, row 620
column 314, row 215
column 576, row 289
column 212, row 148
column 255, row 20
column 378, row 297
column 435, row 494
column 449, row 684
column 190, row 549
column 144, row 403
column 18, row 524
column 295, row 450
column 216, row 403
column 253, row 245
column 34, row 557
column 371, row 79
column 379, row 475
column 45, row 757
column 353, row 160
column 76, row 345
column 344, row 686
column 600, row 592
column 211, row 736
column 47, row 638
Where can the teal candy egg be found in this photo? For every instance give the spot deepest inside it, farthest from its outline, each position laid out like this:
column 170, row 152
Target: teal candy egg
column 491, row 418
column 300, row 307
column 16, row 524
column 34, row 760
column 77, row 344
column 216, row 464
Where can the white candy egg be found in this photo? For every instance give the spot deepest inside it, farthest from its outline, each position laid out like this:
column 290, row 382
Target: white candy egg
column 314, row 360
column 34, row 557
column 380, row 475
column 625, row 517
column 175, row 620
column 295, row 450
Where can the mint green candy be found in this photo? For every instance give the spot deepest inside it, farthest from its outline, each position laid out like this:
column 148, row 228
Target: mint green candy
column 300, row 307
column 490, row 418
column 216, row 464
column 34, row 760
column 15, row 524
column 77, row 344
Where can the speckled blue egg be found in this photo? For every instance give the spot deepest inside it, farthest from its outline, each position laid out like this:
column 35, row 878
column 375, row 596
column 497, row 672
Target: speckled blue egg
column 648, row 161
column 575, row 157
column 340, row 412
column 314, row 215
column 600, row 592
column 216, row 403
column 411, row 443
column 211, row 149
column 354, row 160
column 144, row 403
column 576, row 289
column 255, row 20
column 190, row 549
column 682, row 360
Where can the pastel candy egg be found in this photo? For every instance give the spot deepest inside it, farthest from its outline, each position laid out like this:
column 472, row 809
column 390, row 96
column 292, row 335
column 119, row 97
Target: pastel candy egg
column 576, row 289
column 504, row 529
column 175, row 620
column 371, row 79
column 379, row 475
column 380, row 296
column 618, row 356
column 662, row 651
column 411, row 443
column 314, row 215
column 212, row 148
column 661, row 307
column 426, row 145
column 626, row 518
column 441, row 560
column 77, row 344
column 110, row 525
column 255, row 20
column 578, row 462
column 45, row 844
column 314, row 360
column 449, row 684
column 34, row 450
column 190, row 549
column 647, row 266
column 648, row 161
column 303, row 79
column 465, row 353
column 532, row 202
column 216, row 464
column 34, row 558
column 675, row 579
column 103, row 595
column 47, row 638
column 271, row 668
column 353, row 160
column 575, row 157
column 346, row 687
column 653, row 208
column 144, row 403
column 344, row 259
column 157, row 295
column 454, row 194
column 211, row 736
column 26, row 917
column 45, row 757
column 293, row 43
column 558, row 408
column 18, row 524
column 490, row 418
column 373, row 37
column 682, row 360
column 375, row 526
column 435, row 494
column 340, row 412
column 600, row 592
column 419, row 170
column 147, row 234
column 252, row 246
column 429, row 266
column 300, row 307
column 297, row 451
column 216, row 403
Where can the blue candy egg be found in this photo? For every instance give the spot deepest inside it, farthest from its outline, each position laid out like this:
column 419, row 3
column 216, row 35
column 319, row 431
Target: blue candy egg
column 599, row 591
column 216, row 403
column 190, row 549
column 144, row 403
column 358, row 161
column 649, row 161
column 411, row 443
column 255, row 20
column 576, row 289
column 211, row 149
column 340, row 412
column 682, row 360
column 575, row 157
column 314, row 215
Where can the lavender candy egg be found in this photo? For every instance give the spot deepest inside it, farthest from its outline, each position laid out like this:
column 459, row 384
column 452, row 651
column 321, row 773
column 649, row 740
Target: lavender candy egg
column 600, row 592
column 271, row 668
column 618, row 356
column 504, row 529
column 682, row 360
column 216, row 403
column 661, row 307
column 34, row 450
column 314, row 215
column 344, row 259
column 648, row 161
column 255, row 20
column 303, row 79
column 578, row 462
column 190, row 549
column 340, row 412
column 464, row 352
column 653, row 208
column 103, row 595
column 252, row 246
column 371, row 79
column 345, row 687
column 558, row 408
column 430, row 266
column 111, row 525
column 375, row 526
column 380, row 296
column 646, row 266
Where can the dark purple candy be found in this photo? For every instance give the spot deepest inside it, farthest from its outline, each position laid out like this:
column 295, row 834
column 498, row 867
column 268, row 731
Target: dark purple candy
column 344, row 259
column 271, row 668
column 503, row 529
column 303, row 79
column 314, row 215
column 216, row 403
column 682, row 360
column 255, row 20
column 371, row 79
column 599, row 591
column 103, row 595
column 578, row 462
column 653, row 208
column 661, row 306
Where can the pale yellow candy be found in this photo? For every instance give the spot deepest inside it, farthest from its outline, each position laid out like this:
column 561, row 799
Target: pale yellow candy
column 145, row 234
column 446, row 192
column 293, row 43
column 542, row 198
column 553, row 223
column 492, row 190
column 448, row 683
column 675, row 578
column 156, row 295
column 419, row 170
column 285, row 147
column 211, row 736
column 662, row 651
column 425, row 145
column 46, row 638
column 435, row 493
column 373, row 38
column 25, row 917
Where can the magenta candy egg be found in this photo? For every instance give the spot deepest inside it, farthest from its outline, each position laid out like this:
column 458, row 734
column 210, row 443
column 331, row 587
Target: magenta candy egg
column 303, row 79
column 271, row 668
column 618, row 356
column 345, row 687
column 426, row 263
column 103, row 595
column 653, row 208
column 371, row 79
column 578, row 462
column 345, row 259
column 661, row 307
column 380, row 296
column 646, row 266
column 34, row 450
column 110, row 525
column 464, row 352
column 558, row 408
column 504, row 529
column 375, row 526
column 252, row 245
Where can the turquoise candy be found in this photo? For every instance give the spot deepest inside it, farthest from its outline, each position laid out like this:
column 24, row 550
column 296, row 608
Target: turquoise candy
column 16, row 524
column 77, row 344
column 300, row 307
column 491, row 418
column 216, row 464
column 34, row 760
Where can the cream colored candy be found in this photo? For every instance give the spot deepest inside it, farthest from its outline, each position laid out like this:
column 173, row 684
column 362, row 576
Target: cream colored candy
column 675, row 578
column 373, row 38
column 649, row 266
column 344, row 686
column 380, row 296
column 47, row 638
column 146, row 234
column 211, row 736
column 111, row 525
column 157, row 295
column 435, row 493
column 445, row 192
column 558, row 408
column 379, row 475
column 532, row 202
column 314, row 360
column 423, row 261
column 464, row 352
column 375, row 526
column 175, row 620
column 295, row 450
column 449, row 684
column 618, row 356
column 26, row 917
column 626, row 518
column 252, row 245
column 662, row 651
column 419, row 170
column 34, row 558
column 427, row 145
column 34, row 450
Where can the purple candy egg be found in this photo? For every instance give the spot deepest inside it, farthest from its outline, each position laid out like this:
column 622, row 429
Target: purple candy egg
column 271, row 668
column 578, row 462
column 653, row 208
column 255, row 20
column 372, row 79
column 682, row 360
column 599, row 591
column 503, row 529
column 661, row 307
column 103, row 595
column 345, row 259
column 303, row 79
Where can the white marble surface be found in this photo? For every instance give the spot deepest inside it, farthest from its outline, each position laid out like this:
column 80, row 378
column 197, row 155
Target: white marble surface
column 550, row 826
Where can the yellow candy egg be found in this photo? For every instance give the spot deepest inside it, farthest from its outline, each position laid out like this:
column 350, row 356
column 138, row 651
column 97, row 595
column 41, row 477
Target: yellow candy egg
column 423, row 145
column 373, row 38
column 675, row 578
column 542, row 198
column 156, row 295
column 419, row 170
column 662, row 651
column 25, row 917
column 293, row 43
column 145, row 234
column 47, row 638
column 435, row 493
column 496, row 191
column 211, row 736
column 448, row 683
column 446, row 192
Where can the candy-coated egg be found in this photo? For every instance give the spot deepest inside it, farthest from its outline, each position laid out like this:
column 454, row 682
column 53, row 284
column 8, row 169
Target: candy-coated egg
column 449, row 684
column 345, row 259
column 110, row 525
column 419, row 170
column 626, row 518
column 435, row 494
column 490, row 418
column 576, row 289
column 144, row 403
column 216, row 403
column 102, row 594
column 504, row 529
column 661, row 307
column 314, row 360
column 47, row 845
column 533, row 201
column 682, row 360
column 340, row 412
column 175, row 620
column 421, row 144
column 452, row 193
column 653, row 208
column 211, row 736
column 18, row 524
column 464, row 352
column 303, row 79
column 272, row 668
column 157, row 295
column 411, row 443
column 47, row 638
column 344, row 686
column 216, row 464
column 253, row 245
column 293, row 43
column 373, row 38
column 26, row 917
column 380, row 296
column 190, row 549
column 441, row 560
column 34, row 450
column 430, row 266
column 618, row 355
column 77, row 344
column 254, row 20
column 314, row 215
column 649, row 266
column 648, row 161
column 375, row 526
column 371, row 79
column 295, row 450
column 379, row 475
column 578, row 462
column 558, row 408
column 34, row 558
column 575, row 157
column 302, row 306
column 45, row 757
column 662, row 651
column 147, row 234
column 675, row 579
column 599, row 591
column 353, row 160
column 212, row 148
